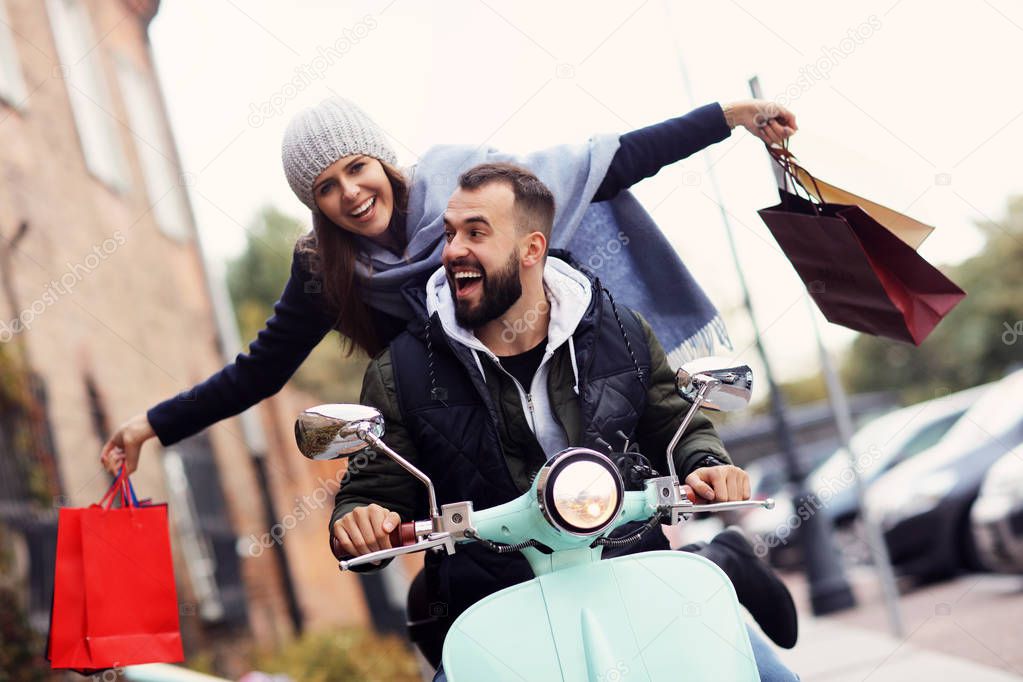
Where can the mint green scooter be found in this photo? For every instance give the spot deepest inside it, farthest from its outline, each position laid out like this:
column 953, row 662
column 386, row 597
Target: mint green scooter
column 649, row 616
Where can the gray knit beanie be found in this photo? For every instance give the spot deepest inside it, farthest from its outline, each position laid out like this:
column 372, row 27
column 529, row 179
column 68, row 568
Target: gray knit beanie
column 319, row 136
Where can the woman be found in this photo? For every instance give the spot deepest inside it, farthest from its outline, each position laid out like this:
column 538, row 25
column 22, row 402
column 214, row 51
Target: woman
column 377, row 236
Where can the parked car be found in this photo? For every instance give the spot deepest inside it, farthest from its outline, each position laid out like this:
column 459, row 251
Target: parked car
column 923, row 505
column 767, row 476
column 879, row 445
column 997, row 516
column 882, row 444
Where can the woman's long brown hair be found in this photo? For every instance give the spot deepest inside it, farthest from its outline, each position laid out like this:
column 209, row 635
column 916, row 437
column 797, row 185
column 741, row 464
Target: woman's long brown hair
column 332, row 251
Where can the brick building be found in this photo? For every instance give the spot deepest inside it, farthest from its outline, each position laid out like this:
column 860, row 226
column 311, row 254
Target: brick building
column 105, row 308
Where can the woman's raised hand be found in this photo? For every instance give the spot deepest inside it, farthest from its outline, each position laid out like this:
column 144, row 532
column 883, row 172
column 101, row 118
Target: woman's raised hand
column 769, row 121
column 123, row 447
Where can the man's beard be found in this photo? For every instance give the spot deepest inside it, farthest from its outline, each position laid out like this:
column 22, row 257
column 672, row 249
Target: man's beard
column 500, row 292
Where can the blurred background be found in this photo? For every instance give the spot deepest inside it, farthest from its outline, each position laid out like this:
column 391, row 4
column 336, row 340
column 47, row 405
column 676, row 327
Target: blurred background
column 146, row 229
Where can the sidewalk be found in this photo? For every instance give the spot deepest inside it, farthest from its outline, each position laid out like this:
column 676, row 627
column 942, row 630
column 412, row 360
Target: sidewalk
column 967, row 628
column 835, row 652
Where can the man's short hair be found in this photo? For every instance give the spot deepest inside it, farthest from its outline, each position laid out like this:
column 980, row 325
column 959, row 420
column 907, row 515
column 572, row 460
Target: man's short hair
column 533, row 201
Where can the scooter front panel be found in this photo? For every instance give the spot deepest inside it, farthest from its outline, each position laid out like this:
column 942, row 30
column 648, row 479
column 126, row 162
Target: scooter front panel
column 503, row 637
column 658, row 616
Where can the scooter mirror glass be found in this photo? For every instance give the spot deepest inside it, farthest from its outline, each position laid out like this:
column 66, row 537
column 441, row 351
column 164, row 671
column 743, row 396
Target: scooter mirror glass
column 728, row 383
column 332, row 431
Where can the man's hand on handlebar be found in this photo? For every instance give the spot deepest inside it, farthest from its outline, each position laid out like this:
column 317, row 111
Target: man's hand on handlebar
column 366, row 529
column 724, row 483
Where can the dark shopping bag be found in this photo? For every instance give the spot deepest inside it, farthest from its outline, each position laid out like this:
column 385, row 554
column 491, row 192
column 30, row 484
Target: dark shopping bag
column 863, row 274
column 114, row 598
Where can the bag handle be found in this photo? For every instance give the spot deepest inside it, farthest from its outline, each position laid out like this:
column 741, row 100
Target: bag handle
column 786, row 159
column 121, row 489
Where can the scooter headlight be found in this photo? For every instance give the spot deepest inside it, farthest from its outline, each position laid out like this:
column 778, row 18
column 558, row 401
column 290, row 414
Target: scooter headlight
column 580, row 491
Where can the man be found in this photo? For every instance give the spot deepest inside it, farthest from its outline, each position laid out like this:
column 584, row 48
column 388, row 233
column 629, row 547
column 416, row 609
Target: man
column 521, row 356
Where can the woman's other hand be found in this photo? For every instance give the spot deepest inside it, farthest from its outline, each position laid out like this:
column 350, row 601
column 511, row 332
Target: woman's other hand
column 123, row 447
column 769, row 121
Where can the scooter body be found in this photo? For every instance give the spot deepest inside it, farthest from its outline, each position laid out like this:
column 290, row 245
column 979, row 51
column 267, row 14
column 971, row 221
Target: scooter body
column 650, row 616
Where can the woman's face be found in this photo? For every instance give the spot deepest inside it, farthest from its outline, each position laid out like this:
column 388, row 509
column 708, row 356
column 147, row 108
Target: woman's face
column 355, row 194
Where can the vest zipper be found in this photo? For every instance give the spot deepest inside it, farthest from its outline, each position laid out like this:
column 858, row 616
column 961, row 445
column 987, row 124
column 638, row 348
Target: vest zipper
column 521, row 389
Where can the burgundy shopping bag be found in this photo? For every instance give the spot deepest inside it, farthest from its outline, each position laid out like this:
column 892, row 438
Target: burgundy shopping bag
column 114, row 601
column 859, row 273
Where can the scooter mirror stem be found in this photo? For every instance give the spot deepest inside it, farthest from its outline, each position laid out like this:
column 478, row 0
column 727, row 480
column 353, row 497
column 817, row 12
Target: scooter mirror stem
column 697, row 401
column 371, row 438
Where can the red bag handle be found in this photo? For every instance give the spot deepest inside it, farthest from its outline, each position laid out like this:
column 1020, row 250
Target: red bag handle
column 120, row 488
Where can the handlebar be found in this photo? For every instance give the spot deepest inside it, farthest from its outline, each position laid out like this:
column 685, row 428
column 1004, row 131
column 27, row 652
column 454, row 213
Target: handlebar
column 414, row 536
column 402, row 536
column 437, row 541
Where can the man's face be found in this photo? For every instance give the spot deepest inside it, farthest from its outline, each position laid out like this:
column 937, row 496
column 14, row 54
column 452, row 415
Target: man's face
column 481, row 254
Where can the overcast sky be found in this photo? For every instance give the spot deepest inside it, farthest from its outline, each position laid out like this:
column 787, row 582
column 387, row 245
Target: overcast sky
column 911, row 103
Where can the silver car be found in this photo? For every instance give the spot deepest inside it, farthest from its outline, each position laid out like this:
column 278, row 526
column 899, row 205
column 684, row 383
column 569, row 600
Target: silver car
column 997, row 515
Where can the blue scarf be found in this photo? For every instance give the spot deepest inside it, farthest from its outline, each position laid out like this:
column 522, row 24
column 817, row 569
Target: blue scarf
column 616, row 240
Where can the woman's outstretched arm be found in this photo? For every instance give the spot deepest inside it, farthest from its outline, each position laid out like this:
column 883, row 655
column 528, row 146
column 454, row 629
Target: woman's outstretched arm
column 644, row 152
column 298, row 323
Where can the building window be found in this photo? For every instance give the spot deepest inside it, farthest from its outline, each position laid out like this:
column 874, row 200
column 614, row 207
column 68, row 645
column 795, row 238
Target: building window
column 12, row 87
column 97, row 411
column 26, row 488
column 89, row 93
column 155, row 150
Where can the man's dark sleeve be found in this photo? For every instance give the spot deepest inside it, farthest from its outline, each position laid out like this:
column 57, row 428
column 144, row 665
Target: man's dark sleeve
column 664, row 412
column 298, row 323
column 375, row 478
column 372, row 477
column 644, row 152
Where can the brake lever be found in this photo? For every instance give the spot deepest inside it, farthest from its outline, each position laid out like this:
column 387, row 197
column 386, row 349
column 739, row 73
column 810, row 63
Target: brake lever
column 434, row 541
column 731, row 506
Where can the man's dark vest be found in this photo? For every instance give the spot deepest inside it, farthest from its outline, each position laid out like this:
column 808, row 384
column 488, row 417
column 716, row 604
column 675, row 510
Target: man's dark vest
column 455, row 429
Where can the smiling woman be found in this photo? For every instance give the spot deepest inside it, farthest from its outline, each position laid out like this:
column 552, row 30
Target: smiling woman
column 378, row 234
column 355, row 193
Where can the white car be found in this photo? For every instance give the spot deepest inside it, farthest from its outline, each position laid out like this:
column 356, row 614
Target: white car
column 879, row 445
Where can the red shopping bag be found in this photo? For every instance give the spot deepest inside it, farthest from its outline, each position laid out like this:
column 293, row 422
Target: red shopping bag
column 114, row 598
column 862, row 274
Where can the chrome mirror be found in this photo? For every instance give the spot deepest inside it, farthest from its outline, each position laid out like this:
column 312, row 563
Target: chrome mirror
column 335, row 431
column 718, row 384
column 712, row 383
column 332, row 431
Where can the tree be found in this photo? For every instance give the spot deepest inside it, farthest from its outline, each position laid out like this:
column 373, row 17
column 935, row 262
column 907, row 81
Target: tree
column 256, row 279
column 977, row 342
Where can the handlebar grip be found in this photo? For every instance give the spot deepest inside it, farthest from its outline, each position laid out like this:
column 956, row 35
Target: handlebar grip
column 403, row 535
